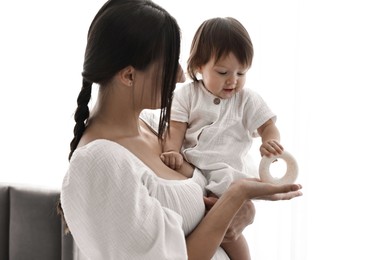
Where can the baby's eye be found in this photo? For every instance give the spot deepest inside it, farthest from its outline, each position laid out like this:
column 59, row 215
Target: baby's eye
column 222, row 72
column 240, row 73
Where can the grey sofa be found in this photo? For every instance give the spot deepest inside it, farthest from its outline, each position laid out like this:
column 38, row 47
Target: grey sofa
column 29, row 225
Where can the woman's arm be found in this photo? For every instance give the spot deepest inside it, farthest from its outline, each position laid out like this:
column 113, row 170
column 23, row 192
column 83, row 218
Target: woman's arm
column 203, row 242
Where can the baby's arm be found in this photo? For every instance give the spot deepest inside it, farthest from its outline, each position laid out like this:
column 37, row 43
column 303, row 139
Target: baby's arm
column 172, row 144
column 270, row 138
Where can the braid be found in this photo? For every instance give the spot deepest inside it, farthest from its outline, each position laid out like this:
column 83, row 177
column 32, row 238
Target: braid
column 81, row 115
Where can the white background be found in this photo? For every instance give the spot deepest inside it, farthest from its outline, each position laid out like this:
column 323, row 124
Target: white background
column 322, row 66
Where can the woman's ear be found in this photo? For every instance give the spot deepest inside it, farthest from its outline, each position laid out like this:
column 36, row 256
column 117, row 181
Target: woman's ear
column 126, row 76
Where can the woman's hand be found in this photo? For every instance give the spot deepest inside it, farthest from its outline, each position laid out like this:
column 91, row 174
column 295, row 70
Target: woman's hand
column 254, row 188
column 241, row 220
column 210, row 232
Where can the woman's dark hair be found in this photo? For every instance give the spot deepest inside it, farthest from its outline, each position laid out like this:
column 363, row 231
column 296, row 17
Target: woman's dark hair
column 216, row 38
column 123, row 33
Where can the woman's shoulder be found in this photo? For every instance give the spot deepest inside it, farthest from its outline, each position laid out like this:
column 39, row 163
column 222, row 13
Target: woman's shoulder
column 104, row 159
column 96, row 150
column 97, row 144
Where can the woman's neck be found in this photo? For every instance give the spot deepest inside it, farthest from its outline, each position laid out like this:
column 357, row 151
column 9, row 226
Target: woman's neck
column 116, row 114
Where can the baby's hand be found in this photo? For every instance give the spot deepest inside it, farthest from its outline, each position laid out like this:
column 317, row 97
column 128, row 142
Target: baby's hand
column 172, row 159
column 271, row 147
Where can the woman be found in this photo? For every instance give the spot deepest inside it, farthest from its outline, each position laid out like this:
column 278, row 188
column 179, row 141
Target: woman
column 119, row 199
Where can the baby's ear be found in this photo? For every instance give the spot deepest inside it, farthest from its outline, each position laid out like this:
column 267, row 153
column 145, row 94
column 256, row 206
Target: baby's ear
column 198, row 74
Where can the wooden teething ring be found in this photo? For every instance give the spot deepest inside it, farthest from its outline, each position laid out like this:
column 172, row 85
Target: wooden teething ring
column 290, row 175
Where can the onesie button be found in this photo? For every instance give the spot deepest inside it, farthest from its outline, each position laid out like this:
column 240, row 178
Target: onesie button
column 217, row 101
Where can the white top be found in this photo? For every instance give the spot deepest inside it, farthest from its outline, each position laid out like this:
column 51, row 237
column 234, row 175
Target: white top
column 220, row 131
column 117, row 208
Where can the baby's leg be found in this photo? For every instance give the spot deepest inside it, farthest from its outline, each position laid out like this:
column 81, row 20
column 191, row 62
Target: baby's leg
column 238, row 249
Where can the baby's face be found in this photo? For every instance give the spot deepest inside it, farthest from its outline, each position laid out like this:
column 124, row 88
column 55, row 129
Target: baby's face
column 225, row 77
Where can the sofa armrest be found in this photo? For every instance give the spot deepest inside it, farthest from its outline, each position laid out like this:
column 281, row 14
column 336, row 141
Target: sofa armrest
column 34, row 228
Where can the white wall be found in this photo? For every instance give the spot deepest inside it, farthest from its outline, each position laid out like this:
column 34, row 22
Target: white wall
column 323, row 67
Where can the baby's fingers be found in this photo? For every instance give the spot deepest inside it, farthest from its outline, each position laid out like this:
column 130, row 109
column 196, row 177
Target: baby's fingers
column 169, row 160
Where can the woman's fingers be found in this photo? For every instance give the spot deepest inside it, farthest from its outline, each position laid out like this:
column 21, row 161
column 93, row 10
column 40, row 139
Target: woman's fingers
column 283, row 192
column 257, row 189
column 282, row 196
